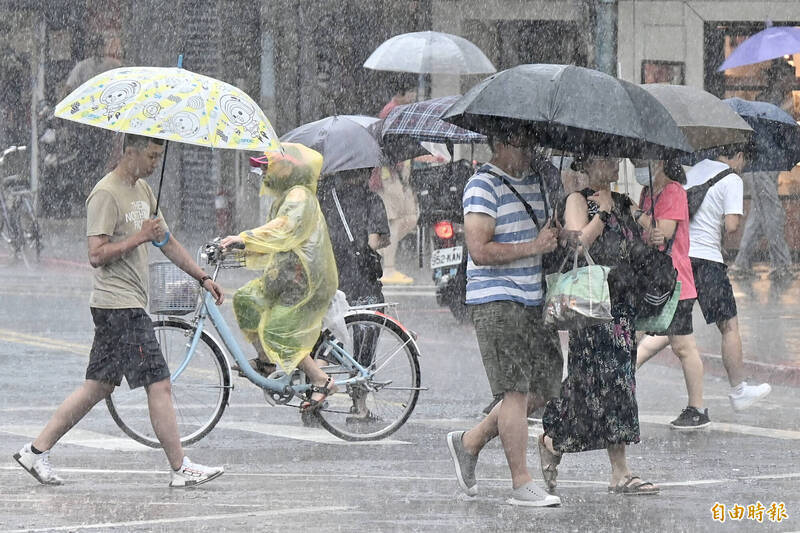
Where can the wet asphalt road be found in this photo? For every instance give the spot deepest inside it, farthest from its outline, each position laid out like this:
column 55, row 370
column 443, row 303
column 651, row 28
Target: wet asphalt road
column 280, row 477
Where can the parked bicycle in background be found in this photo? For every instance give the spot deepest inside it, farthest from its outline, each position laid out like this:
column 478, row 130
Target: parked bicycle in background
column 19, row 227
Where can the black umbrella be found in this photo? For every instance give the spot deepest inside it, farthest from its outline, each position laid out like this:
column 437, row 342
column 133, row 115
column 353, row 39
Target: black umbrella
column 777, row 136
column 571, row 108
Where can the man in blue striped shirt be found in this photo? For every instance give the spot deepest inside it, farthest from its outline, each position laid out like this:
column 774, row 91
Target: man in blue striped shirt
column 521, row 355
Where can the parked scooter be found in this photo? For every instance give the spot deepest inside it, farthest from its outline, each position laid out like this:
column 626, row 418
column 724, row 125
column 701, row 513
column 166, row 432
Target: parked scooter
column 439, row 194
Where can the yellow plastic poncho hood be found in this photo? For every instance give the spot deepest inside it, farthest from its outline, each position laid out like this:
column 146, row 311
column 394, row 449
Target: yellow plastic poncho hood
column 284, row 307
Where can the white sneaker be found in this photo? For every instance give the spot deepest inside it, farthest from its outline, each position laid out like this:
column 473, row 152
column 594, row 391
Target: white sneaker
column 749, row 395
column 37, row 465
column 530, row 495
column 191, row 474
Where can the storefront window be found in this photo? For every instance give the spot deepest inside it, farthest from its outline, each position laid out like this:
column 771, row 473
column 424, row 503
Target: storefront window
column 776, row 81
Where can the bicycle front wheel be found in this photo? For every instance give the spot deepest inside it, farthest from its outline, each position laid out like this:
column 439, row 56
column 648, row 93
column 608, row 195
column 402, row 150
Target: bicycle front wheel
column 380, row 406
column 199, row 394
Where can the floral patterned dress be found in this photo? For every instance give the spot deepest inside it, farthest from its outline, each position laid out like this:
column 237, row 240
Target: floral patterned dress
column 597, row 406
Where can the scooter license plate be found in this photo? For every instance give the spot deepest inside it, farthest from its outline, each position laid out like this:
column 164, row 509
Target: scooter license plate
column 447, row 257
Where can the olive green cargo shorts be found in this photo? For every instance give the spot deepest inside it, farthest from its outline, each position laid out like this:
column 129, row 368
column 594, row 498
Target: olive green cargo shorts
column 520, row 352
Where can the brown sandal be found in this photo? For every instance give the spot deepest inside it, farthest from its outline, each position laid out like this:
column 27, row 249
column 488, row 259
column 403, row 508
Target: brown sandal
column 629, row 488
column 310, row 405
column 549, row 463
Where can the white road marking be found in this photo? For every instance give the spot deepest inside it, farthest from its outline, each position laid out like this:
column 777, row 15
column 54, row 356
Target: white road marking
column 446, row 478
column 432, row 294
column 194, row 518
column 661, row 420
column 82, row 437
column 300, row 433
column 730, row 428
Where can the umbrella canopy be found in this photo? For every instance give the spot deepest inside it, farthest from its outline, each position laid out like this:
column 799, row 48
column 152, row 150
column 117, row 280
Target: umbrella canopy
column 172, row 104
column 776, row 134
column 571, row 108
column 705, row 119
column 775, row 41
column 429, row 52
column 421, row 121
column 346, row 142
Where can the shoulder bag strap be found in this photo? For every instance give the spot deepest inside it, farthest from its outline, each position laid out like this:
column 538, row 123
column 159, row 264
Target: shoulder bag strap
column 341, row 215
column 526, row 205
column 713, row 181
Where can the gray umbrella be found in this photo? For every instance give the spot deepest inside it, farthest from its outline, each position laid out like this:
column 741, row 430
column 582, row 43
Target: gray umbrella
column 429, row 52
column 706, row 120
column 571, row 108
column 346, row 142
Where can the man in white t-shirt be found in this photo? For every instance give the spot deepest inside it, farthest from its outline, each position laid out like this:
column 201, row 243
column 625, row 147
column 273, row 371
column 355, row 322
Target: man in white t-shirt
column 721, row 210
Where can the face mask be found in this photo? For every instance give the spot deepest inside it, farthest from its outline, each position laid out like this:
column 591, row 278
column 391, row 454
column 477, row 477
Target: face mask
column 642, row 176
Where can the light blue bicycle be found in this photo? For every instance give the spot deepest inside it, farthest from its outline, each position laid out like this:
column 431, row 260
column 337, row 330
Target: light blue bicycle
column 377, row 375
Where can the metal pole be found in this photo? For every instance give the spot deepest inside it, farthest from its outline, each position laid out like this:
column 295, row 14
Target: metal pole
column 37, row 96
column 605, row 36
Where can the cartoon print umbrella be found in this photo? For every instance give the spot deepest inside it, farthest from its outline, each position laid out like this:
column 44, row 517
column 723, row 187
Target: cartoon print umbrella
column 172, row 104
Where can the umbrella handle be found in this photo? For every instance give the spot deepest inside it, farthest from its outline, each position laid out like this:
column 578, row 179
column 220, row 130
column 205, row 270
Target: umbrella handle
column 163, row 243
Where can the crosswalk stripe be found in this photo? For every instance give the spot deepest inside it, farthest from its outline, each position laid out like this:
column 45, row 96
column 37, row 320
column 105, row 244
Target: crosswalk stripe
column 301, row 433
column 333, row 510
column 729, row 428
column 82, row 437
column 661, row 420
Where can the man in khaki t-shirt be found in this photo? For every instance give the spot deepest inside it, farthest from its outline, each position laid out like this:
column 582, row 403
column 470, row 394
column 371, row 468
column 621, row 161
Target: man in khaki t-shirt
column 119, row 226
column 116, row 209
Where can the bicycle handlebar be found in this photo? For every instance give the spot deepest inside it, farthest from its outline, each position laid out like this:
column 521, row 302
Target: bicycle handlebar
column 214, row 253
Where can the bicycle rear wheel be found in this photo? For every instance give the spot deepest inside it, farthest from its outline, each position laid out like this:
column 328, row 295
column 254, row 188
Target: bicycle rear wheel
column 29, row 235
column 379, row 407
column 199, row 395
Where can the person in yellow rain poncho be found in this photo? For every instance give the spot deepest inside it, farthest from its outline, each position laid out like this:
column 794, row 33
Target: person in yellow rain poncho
column 281, row 311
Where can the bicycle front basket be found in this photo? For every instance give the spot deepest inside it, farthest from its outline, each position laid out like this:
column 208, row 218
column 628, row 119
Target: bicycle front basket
column 172, row 291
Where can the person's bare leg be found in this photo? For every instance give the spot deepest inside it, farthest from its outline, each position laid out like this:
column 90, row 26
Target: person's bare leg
column 316, row 376
column 732, row 350
column 685, row 348
column 71, row 411
column 648, row 347
column 619, row 466
column 165, row 424
column 508, row 419
column 476, row 438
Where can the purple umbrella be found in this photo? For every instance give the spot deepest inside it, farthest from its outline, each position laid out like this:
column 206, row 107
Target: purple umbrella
column 773, row 42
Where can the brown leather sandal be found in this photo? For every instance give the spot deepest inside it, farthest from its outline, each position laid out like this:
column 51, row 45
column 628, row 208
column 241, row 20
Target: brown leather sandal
column 549, row 463
column 631, row 488
column 310, row 405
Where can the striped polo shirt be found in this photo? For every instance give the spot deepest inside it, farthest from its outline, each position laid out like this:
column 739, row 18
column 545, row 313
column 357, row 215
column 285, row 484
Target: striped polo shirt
column 521, row 280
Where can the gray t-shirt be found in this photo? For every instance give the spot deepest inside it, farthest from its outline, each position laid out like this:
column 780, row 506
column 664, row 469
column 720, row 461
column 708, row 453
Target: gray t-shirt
column 117, row 209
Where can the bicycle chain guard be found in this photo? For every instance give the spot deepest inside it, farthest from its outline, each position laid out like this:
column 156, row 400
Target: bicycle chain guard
column 282, row 398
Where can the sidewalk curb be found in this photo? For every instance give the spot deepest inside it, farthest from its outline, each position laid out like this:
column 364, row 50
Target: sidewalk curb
column 784, row 375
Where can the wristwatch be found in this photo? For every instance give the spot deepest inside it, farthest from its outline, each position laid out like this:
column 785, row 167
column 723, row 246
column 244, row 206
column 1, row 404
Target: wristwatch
column 604, row 216
column 203, row 280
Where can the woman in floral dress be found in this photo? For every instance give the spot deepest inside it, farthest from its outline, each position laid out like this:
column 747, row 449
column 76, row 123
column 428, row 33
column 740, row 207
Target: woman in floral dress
column 597, row 408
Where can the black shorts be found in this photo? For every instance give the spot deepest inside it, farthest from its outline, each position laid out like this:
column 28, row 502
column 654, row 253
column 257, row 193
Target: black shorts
column 125, row 345
column 682, row 320
column 714, row 291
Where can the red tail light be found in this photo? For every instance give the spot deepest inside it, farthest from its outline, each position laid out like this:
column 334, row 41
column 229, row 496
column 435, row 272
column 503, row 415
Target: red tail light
column 443, row 229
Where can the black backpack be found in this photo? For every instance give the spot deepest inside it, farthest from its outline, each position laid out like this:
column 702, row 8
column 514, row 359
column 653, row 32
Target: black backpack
column 695, row 195
column 655, row 275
